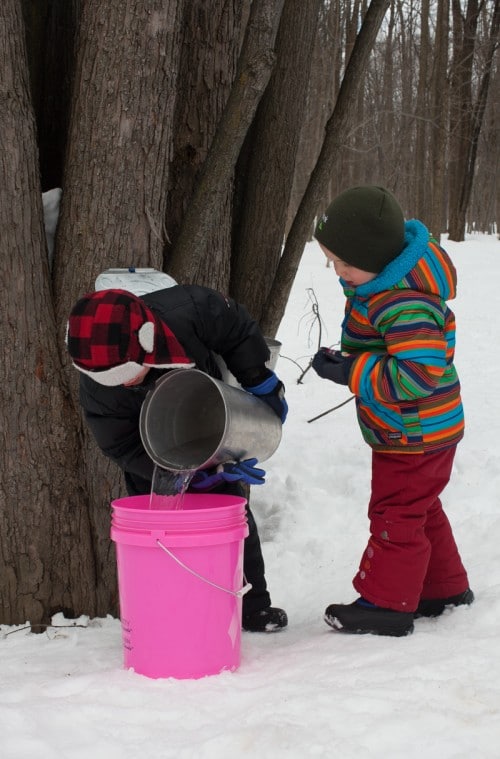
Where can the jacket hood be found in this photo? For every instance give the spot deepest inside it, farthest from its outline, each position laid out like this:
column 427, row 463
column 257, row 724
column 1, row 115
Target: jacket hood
column 422, row 265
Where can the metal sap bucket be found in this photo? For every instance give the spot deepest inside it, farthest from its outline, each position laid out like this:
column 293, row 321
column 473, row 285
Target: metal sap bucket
column 274, row 349
column 190, row 421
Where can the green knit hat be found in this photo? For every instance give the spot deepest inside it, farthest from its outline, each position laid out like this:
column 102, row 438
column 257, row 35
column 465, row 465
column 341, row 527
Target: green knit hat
column 363, row 226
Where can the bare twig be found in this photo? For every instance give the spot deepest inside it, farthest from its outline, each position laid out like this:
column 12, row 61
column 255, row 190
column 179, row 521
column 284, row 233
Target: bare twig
column 299, row 381
column 287, row 358
column 316, row 318
column 42, row 627
column 331, row 409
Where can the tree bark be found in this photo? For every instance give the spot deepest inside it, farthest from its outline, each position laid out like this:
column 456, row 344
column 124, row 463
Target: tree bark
column 464, row 28
column 254, row 69
column 269, row 172
column 45, row 537
column 211, row 42
column 436, row 217
column 114, row 199
column 472, row 128
column 334, row 138
column 421, row 112
column 325, row 75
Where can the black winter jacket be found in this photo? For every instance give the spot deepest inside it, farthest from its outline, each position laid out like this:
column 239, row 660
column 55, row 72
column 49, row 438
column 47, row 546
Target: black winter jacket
column 204, row 322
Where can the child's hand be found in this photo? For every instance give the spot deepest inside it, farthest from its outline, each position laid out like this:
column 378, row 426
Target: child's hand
column 333, row 365
column 272, row 392
column 246, row 471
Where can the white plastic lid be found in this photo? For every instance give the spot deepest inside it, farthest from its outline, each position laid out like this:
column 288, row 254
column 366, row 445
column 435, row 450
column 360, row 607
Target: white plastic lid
column 136, row 281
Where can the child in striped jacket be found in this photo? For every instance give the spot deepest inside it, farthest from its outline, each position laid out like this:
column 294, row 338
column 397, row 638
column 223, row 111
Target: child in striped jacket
column 397, row 349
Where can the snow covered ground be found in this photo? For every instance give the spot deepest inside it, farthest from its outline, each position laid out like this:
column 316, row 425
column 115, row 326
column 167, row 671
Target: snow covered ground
column 307, row 691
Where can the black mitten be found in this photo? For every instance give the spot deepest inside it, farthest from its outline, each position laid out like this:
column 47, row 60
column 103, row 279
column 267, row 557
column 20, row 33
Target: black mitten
column 333, row 365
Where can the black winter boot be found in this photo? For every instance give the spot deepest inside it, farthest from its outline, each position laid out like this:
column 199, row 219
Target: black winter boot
column 434, row 607
column 265, row 620
column 363, row 617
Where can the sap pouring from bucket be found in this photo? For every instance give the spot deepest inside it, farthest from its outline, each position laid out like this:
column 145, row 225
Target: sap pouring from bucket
column 168, row 488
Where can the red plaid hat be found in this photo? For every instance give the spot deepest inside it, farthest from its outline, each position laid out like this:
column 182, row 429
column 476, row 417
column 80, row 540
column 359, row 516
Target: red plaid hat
column 112, row 334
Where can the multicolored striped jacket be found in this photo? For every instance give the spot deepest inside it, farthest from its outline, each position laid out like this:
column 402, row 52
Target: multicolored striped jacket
column 403, row 335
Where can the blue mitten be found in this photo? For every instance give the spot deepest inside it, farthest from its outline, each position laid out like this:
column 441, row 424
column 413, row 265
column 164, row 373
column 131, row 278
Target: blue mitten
column 333, row 365
column 272, row 392
column 246, row 471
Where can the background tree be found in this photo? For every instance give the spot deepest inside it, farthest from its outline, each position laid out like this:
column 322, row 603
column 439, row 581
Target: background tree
column 209, row 51
column 252, row 75
column 114, row 201
column 421, row 111
column 335, row 130
column 45, row 535
column 265, row 171
column 326, row 71
column 468, row 102
column 438, row 111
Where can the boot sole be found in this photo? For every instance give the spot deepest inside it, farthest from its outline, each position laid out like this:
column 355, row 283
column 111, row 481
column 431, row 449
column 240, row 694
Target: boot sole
column 391, row 630
column 436, row 607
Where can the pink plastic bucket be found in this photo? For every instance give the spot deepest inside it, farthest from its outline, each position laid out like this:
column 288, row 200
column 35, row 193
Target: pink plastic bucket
column 180, row 578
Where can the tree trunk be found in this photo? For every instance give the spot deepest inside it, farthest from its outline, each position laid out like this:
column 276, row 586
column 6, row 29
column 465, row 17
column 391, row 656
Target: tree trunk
column 324, row 83
column 458, row 219
column 334, row 138
column 270, row 169
column 439, row 113
column 254, row 69
column 421, row 111
column 114, row 198
column 211, row 42
column 45, row 538
column 485, row 202
column 464, row 30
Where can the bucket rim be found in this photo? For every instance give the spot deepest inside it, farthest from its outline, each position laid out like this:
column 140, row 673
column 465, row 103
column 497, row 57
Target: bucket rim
column 233, row 501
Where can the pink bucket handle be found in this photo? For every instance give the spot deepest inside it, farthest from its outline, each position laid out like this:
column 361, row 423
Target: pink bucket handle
column 237, row 593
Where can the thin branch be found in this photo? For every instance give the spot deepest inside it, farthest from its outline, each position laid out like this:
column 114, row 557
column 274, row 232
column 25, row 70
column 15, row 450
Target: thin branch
column 331, row 409
column 42, row 627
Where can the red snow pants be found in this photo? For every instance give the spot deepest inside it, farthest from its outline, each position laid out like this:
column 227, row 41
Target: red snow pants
column 411, row 553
